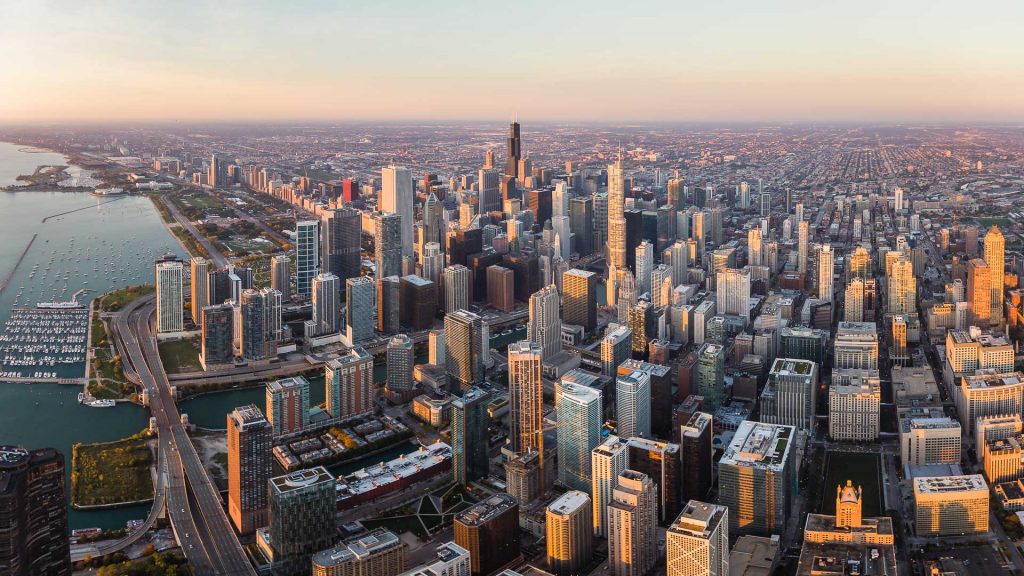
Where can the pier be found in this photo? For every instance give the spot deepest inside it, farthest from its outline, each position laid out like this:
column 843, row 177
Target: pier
column 80, row 209
column 21, row 258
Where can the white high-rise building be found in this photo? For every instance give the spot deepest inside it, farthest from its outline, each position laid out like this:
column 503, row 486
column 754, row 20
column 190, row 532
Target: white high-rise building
column 632, row 517
column 170, row 312
column 456, row 288
column 626, row 294
column 856, row 346
column 790, row 395
column 633, row 404
column 396, row 197
column 898, row 197
column 607, row 462
column 579, row 432
column 733, row 291
column 902, row 287
column 545, row 324
column 326, row 303
column 661, row 285
column 853, row 307
column 644, row 266
column 754, row 252
column 995, row 257
column 697, row 543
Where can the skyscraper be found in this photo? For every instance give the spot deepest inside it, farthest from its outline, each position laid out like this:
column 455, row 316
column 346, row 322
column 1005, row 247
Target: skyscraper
column 326, row 303
column 803, row 240
column 490, row 192
column 644, row 266
column 251, row 326
column 281, row 275
column 979, row 291
column 302, row 508
column 200, row 288
column 218, row 335
column 660, row 462
column 250, row 441
column 633, row 405
column 825, row 272
column 525, row 398
column 400, row 361
column 288, row 405
column 995, row 258
column 616, row 216
column 515, row 151
column 790, row 395
column 307, row 256
column 711, row 374
column 754, row 250
column 456, row 288
column 615, row 348
column 733, row 292
column 632, row 517
column 470, row 438
column 396, row 197
column 697, row 543
column 387, row 244
column 33, row 513
column 359, row 306
column 607, row 462
column 569, row 529
column 756, row 478
column 170, row 314
column 696, row 445
column 545, row 325
column 490, row 531
column 902, row 288
column 349, row 381
column 340, row 242
column 580, row 414
column 463, row 337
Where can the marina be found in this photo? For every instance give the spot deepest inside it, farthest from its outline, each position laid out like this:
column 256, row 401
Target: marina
column 43, row 337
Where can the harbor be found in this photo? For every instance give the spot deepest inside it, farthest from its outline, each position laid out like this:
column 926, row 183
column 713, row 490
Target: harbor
column 35, row 340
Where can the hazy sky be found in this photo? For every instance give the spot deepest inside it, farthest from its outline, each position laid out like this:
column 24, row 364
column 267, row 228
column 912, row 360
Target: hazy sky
column 689, row 60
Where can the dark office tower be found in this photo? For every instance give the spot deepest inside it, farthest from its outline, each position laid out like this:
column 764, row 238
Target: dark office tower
column 220, row 286
column 245, row 275
column 388, row 305
column 540, row 205
column 33, row 513
column 280, row 276
column 433, row 220
column 462, row 243
column 789, row 201
column 666, row 227
column 218, row 335
column 490, row 531
column 341, row 232
column 350, row 190
column 515, row 151
column 509, row 190
column 418, row 298
column 634, row 235
column 250, row 441
column 478, row 265
column 581, row 222
column 489, row 186
column 697, row 456
column 649, row 220
column 253, row 337
column 387, row 240
column 660, row 462
column 463, row 339
column 302, row 507
column 579, row 298
column 217, row 173
column 470, row 438
column 526, row 267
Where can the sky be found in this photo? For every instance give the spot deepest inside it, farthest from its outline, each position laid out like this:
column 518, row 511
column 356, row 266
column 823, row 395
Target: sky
column 551, row 60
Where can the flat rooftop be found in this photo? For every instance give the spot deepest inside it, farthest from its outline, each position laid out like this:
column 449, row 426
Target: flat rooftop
column 993, row 380
column 301, row 479
column 357, row 548
column 488, row 509
column 787, row 366
column 247, row 416
column 285, row 383
column 946, row 422
column 948, row 484
column 698, row 519
column 759, row 445
column 569, row 502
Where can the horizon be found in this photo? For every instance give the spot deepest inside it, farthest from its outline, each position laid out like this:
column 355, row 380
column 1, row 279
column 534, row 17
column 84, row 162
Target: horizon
column 599, row 62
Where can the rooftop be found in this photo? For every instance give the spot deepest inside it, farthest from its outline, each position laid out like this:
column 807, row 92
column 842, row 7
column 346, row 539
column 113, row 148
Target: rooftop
column 787, row 366
column 357, row 548
column 698, row 519
column 991, row 379
column 301, row 479
column 759, row 445
column 246, row 416
column 929, row 424
column 569, row 502
column 948, row 484
column 487, row 510
column 285, row 383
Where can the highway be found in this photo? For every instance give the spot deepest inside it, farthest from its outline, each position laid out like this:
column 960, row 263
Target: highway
column 219, row 260
column 193, row 503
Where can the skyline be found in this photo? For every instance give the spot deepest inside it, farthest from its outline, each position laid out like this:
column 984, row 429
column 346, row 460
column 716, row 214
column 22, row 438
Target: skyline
column 742, row 63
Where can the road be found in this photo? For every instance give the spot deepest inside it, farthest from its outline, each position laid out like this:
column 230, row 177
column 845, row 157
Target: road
column 219, row 260
column 194, row 505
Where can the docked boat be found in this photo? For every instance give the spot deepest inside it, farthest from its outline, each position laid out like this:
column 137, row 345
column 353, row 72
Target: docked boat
column 100, row 403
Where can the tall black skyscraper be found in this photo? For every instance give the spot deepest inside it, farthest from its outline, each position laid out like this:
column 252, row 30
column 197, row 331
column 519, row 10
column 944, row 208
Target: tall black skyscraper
column 33, row 513
column 341, row 232
column 515, row 150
